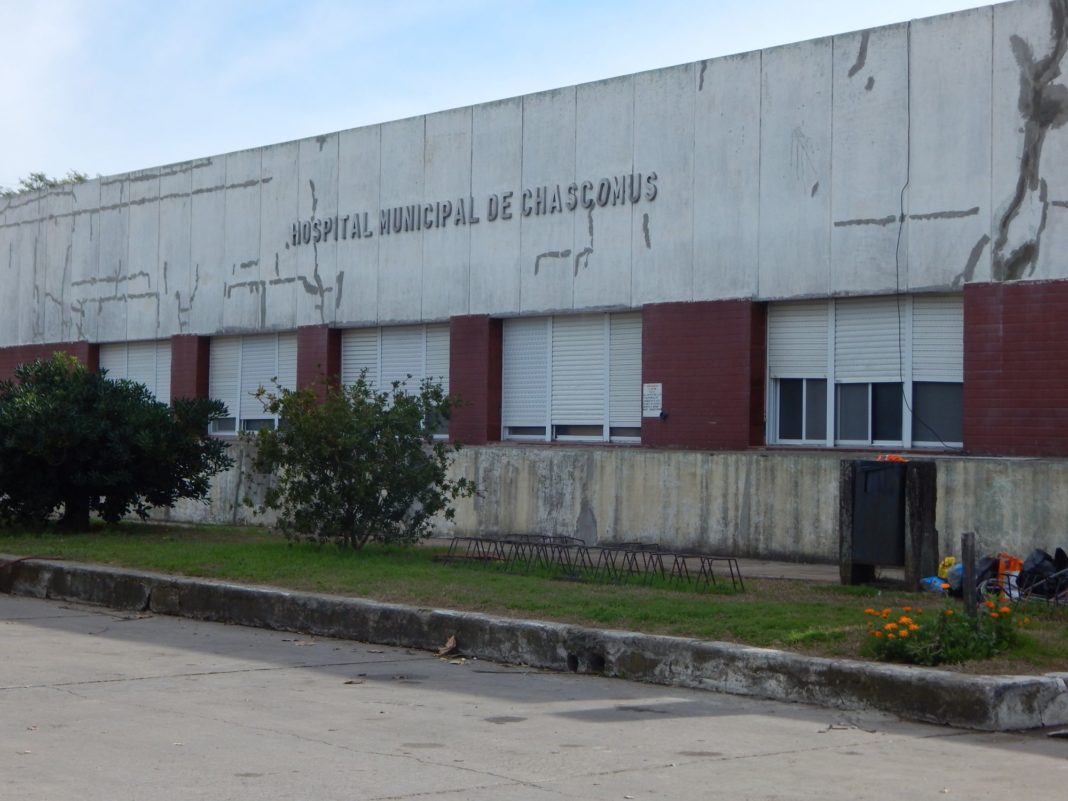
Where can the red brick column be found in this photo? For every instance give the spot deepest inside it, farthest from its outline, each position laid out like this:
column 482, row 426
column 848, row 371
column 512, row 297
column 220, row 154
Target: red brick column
column 709, row 357
column 475, row 378
column 14, row 355
column 1016, row 368
column 190, row 358
column 318, row 356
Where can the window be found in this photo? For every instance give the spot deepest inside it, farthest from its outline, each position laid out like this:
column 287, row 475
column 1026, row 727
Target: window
column 803, row 409
column 895, row 365
column 868, row 413
column 239, row 366
column 572, row 378
column 147, row 363
column 407, row 354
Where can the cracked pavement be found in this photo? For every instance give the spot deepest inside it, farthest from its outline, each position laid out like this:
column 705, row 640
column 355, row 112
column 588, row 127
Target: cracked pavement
column 105, row 705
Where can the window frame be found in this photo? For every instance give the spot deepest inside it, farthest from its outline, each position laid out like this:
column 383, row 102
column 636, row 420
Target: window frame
column 907, row 378
column 425, row 330
column 549, row 428
column 233, row 405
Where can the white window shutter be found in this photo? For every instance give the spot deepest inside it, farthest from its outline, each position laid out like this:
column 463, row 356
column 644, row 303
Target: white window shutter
column 359, row 351
column 525, row 374
column 797, row 340
column 437, row 355
column 223, row 375
column 287, row 361
column 402, row 357
column 141, row 364
column 938, row 338
column 258, row 366
column 625, row 370
column 870, row 334
column 579, row 363
column 113, row 359
column 163, row 371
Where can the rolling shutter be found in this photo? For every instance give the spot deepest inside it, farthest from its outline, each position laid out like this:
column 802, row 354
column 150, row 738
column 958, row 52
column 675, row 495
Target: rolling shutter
column 359, row 351
column 141, row 363
column 258, row 367
column 797, row 340
column 525, row 374
column 437, row 355
column 938, row 338
column 113, row 359
column 223, row 368
column 147, row 363
column 163, row 371
column 869, row 338
column 625, row 370
column 578, row 385
column 402, row 357
column 287, row 361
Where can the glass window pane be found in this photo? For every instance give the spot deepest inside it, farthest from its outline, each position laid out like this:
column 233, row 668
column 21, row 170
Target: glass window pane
column 224, row 425
column 852, row 407
column 790, row 399
column 937, row 415
column 816, row 409
column 886, row 412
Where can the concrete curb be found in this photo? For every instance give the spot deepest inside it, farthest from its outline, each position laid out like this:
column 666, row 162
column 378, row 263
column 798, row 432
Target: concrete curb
column 990, row 703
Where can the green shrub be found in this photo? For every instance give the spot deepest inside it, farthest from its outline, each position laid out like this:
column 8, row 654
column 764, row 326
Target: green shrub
column 71, row 438
column 358, row 464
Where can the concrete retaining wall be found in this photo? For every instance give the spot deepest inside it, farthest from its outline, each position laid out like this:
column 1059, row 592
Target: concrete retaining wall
column 976, row 702
column 762, row 504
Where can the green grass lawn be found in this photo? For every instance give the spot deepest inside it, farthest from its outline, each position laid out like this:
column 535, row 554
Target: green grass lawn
column 811, row 618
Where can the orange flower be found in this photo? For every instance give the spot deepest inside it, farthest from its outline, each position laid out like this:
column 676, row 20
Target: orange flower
column 890, row 626
column 1005, row 610
column 869, row 611
column 949, row 612
column 891, row 637
column 993, row 614
column 887, row 612
column 904, row 619
column 906, row 609
column 914, row 627
column 876, row 633
column 903, row 633
column 943, row 586
column 988, row 604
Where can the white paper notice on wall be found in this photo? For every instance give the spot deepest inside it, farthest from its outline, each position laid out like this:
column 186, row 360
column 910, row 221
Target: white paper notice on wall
column 652, row 400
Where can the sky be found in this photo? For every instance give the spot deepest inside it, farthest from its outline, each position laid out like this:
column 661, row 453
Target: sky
column 108, row 86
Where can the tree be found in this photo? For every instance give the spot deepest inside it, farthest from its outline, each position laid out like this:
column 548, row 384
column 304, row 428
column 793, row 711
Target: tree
column 72, row 438
column 39, row 180
column 359, row 464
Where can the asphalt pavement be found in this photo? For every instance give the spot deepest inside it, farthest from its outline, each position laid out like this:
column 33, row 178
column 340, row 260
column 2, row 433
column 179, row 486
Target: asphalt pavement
column 105, row 705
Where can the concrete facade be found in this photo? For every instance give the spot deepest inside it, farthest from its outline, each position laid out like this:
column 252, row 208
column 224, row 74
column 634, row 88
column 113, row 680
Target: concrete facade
column 777, row 174
column 922, row 160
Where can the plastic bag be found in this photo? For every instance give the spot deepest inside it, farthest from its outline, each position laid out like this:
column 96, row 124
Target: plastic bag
column 945, row 565
column 954, row 577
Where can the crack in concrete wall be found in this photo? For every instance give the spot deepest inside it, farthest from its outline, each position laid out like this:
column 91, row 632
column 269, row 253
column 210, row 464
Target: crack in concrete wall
column 862, row 54
column 1043, row 106
column 551, row 254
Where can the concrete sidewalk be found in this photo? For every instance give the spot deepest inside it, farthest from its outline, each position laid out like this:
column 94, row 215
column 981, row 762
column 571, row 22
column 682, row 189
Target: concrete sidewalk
column 109, row 706
column 979, row 702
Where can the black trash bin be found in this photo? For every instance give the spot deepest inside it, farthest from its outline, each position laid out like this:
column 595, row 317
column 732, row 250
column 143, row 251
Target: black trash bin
column 886, row 519
column 879, row 514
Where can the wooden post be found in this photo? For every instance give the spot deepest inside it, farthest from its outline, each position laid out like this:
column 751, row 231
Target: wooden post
column 967, row 555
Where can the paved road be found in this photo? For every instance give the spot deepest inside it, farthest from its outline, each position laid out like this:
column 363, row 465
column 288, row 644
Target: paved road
column 102, row 705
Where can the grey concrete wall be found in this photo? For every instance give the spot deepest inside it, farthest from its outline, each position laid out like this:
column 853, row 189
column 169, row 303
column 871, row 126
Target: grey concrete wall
column 907, row 158
column 780, row 505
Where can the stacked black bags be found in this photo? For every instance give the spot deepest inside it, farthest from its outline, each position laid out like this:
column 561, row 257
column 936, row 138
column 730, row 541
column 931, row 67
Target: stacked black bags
column 1044, row 576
